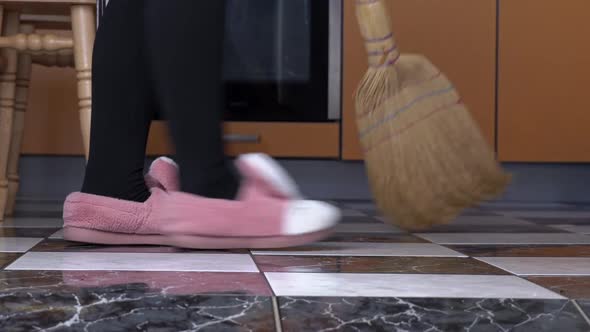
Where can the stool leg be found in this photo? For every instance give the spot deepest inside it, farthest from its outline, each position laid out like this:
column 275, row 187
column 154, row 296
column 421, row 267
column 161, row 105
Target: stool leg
column 7, row 94
column 84, row 29
column 23, row 74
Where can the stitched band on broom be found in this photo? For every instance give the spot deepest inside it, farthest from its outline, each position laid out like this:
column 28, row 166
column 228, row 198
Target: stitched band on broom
column 426, row 158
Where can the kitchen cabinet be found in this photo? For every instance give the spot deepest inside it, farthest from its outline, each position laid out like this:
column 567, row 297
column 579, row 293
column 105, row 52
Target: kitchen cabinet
column 544, row 79
column 52, row 126
column 458, row 36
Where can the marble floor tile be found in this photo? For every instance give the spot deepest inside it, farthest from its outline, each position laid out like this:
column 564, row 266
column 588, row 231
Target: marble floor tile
column 405, row 285
column 17, row 244
column 374, row 238
column 6, row 259
column 26, row 232
column 98, row 261
column 572, row 214
column 57, row 245
column 395, row 314
column 59, row 235
column 131, row 309
column 505, row 238
column 32, row 223
column 581, row 229
column 571, row 287
column 364, row 249
column 523, row 250
column 367, row 228
column 415, row 265
column 585, row 306
column 553, row 266
column 161, row 283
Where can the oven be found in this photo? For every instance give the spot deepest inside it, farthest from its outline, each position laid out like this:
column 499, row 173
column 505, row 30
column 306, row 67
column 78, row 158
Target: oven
column 282, row 60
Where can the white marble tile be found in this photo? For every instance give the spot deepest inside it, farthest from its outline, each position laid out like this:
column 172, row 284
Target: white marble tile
column 352, row 213
column 32, row 223
column 405, row 286
column 367, row 228
column 59, row 235
column 365, row 249
column 582, row 229
column 547, row 266
column 580, row 214
column 183, row 262
column 505, row 238
column 17, row 244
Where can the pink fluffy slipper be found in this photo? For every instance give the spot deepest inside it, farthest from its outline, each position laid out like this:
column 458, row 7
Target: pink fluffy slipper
column 257, row 167
column 255, row 220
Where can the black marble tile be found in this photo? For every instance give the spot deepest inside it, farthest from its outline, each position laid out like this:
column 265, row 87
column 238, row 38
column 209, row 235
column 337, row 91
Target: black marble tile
column 390, row 314
column 6, row 259
column 374, row 238
column 523, row 250
column 27, row 232
column 585, row 305
column 55, row 245
column 46, row 301
column 413, row 265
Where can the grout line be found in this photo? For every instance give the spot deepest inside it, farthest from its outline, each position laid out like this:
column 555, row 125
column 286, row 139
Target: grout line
column 577, row 305
column 277, row 314
column 274, row 299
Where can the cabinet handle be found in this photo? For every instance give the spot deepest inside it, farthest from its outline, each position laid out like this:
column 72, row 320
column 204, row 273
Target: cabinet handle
column 239, row 138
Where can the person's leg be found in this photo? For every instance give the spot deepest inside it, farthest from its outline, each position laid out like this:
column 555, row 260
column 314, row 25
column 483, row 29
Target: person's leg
column 184, row 41
column 122, row 111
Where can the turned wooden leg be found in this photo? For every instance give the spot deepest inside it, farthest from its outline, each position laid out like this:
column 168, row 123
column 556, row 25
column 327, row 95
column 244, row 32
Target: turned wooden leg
column 7, row 94
column 84, row 29
column 23, row 74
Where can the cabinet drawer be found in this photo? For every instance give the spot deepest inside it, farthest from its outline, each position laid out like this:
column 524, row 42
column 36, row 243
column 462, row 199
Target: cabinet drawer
column 304, row 140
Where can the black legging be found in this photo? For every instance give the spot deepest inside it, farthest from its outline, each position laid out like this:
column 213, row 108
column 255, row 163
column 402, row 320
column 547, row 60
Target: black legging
column 165, row 56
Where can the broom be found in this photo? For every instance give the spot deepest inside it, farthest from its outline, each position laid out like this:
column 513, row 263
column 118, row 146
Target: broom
column 426, row 158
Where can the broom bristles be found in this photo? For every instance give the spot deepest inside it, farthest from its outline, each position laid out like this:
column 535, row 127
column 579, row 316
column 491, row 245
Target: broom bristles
column 435, row 165
column 426, row 158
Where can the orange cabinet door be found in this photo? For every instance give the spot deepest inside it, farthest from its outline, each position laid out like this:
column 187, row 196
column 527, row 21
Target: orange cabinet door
column 544, row 81
column 52, row 126
column 458, row 36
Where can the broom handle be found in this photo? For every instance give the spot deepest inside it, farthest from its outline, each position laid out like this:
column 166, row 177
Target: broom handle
column 375, row 24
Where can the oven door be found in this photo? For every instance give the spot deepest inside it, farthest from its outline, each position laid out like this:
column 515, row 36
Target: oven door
column 283, row 60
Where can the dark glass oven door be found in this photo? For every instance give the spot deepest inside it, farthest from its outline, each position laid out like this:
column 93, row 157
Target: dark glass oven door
column 282, row 60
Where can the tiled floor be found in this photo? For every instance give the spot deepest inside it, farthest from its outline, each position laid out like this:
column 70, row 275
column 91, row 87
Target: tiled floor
column 502, row 267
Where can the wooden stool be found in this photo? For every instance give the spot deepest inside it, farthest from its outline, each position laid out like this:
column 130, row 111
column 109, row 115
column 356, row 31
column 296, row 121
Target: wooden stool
column 20, row 47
